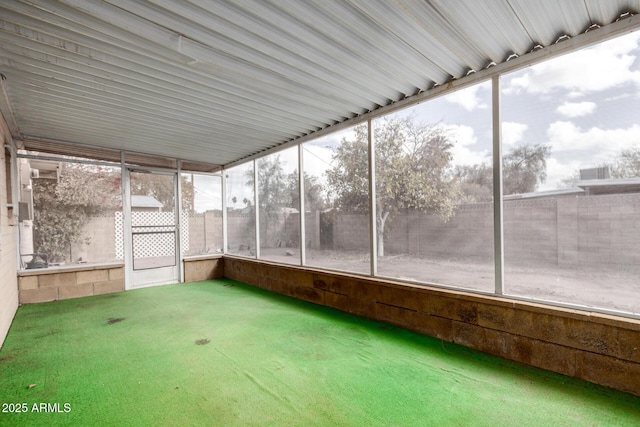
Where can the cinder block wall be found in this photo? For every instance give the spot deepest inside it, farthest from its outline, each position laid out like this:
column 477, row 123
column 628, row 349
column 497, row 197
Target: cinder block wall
column 594, row 231
column 54, row 284
column 595, row 347
column 203, row 268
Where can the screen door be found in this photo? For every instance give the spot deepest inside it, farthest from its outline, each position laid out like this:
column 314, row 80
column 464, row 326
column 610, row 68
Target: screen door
column 154, row 228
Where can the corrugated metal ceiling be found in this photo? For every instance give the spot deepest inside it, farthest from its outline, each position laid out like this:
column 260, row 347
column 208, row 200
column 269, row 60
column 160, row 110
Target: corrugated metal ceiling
column 216, row 81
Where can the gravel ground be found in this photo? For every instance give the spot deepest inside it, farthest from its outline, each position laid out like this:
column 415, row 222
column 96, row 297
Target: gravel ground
column 597, row 288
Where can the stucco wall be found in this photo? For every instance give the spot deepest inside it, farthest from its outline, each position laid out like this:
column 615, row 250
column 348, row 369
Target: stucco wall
column 8, row 278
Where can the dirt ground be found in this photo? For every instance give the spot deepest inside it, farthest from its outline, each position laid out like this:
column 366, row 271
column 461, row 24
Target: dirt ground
column 594, row 288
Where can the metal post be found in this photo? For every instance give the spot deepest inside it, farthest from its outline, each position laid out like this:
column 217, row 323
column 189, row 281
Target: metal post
column 498, row 237
column 223, row 183
column 373, row 226
column 178, row 221
column 15, row 191
column 126, row 224
column 255, row 191
column 301, row 208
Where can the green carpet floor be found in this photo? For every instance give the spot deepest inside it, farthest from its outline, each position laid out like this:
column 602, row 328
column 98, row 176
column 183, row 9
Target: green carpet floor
column 221, row 353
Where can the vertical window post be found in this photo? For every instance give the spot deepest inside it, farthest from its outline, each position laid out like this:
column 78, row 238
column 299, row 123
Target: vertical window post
column 373, row 227
column 301, row 208
column 223, row 182
column 255, row 196
column 498, row 241
column 178, row 220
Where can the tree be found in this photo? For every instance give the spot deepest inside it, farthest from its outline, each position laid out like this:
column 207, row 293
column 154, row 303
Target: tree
column 62, row 209
column 272, row 190
column 314, row 199
column 413, row 165
column 523, row 169
column 476, row 182
column 626, row 164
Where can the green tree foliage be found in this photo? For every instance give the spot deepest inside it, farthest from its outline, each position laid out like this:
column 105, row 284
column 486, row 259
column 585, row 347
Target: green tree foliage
column 626, row 164
column 476, row 183
column 62, row 209
column 314, row 199
column 413, row 171
column 272, row 192
column 523, row 169
column 278, row 190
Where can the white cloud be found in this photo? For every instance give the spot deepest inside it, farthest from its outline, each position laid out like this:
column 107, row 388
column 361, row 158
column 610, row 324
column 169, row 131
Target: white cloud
column 467, row 98
column 575, row 94
column 574, row 148
column 566, row 136
column 512, row 132
column 576, row 109
column 597, row 68
column 464, row 138
column 558, row 171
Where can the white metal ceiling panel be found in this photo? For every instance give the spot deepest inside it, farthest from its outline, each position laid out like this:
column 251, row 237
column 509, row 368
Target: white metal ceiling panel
column 216, row 81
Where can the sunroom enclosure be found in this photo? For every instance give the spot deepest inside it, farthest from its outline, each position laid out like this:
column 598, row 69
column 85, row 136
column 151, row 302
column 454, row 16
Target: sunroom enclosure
column 491, row 204
column 564, row 229
column 525, row 184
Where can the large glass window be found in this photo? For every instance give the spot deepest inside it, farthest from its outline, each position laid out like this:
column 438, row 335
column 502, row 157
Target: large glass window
column 278, row 206
column 434, row 211
column 571, row 167
column 69, row 213
column 202, row 208
column 336, row 185
column 241, row 217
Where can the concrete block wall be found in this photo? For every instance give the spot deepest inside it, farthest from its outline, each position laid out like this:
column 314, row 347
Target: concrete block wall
column 594, row 231
column 64, row 283
column 8, row 226
column 101, row 231
column 240, row 231
column 205, row 233
column 609, row 230
column 531, row 232
column 469, row 233
column 351, row 232
column 203, row 268
column 596, row 347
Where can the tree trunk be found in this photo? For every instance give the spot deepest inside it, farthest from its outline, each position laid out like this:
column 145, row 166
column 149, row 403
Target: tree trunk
column 380, row 233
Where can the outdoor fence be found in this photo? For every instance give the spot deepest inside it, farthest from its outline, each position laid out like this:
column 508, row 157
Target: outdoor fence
column 567, row 232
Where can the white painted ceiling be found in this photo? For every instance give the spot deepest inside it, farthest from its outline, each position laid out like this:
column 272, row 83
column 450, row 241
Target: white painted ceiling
column 216, row 81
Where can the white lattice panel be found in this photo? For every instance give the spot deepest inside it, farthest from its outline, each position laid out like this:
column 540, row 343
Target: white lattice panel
column 119, row 235
column 152, row 221
column 156, row 244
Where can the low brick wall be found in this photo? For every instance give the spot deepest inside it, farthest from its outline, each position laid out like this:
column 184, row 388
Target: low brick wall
column 596, row 347
column 50, row 284
column 203, row 268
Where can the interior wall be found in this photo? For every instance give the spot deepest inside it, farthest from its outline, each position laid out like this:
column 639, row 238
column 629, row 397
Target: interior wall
column 8, row 273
